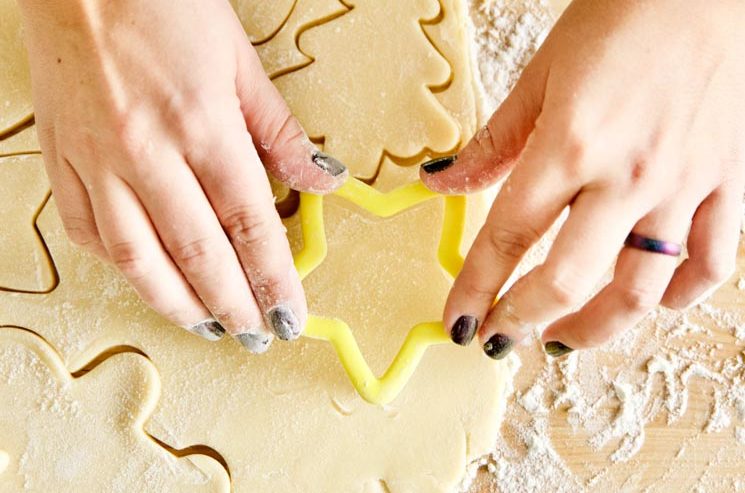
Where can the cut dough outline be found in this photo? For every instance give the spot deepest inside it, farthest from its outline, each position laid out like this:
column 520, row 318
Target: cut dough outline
column 44, row 248
column 300, row 30
column 278, row 28
column 384, row 389
column 21, row 124
column 425, row 153
column 149, row 401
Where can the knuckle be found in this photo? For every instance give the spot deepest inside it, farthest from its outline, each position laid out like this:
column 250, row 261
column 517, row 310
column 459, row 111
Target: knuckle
column 197, row 255
column 576, row 140
column 475, row 289
column 131, row 133
column 247, row 226
column 511, row 244
column 639, row 298
column 288, row 130
column 484, row 138
column 561, row 289
column 129, row 259
column 81, row 232
column 714, row 270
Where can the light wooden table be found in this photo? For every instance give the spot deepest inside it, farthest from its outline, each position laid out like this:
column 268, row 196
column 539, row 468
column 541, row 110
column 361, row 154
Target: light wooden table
column 674, row 458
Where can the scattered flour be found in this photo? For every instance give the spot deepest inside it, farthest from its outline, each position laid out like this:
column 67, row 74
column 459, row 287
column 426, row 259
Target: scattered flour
column 610, row 394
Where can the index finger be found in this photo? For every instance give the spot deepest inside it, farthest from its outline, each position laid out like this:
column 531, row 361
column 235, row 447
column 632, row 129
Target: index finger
column 529, row 202
column 235, row 181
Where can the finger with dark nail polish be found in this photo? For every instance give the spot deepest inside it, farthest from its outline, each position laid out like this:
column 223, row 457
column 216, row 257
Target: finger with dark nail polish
column 556, row 349
column 439, row 164
column 328, row 164
column 209, row 329
column 284, row 323
column 464, row 329
column 256, row 343
column 498, row 346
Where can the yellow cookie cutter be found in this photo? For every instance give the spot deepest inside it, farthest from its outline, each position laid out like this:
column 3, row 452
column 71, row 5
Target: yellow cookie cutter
column 384, row 389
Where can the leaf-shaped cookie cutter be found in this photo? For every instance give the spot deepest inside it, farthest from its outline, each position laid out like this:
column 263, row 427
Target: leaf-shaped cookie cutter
column 371, row 388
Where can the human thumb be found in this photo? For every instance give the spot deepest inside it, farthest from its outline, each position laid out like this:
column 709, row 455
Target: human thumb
column 281, row 142
column 493, row 151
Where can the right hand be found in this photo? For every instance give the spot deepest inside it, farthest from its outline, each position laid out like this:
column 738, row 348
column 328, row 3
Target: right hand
column 154, row 118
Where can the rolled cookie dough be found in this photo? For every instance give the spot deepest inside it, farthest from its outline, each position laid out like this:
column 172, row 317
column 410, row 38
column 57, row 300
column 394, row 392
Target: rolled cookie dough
column 24, row 262
column 289, row 420
column 369, row 90
column 15, row 78
column 262, row 18
column 59, row 433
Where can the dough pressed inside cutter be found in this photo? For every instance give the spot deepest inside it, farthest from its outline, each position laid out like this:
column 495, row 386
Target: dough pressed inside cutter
column 378, row 390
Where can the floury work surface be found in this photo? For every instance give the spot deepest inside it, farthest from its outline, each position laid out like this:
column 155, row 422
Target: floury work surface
column 660, row 409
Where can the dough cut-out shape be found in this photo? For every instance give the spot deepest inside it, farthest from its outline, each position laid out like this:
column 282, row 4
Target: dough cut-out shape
column 295, row 397
column 25, row 265
column 280, row 54
column 262, row 19
column 15, row 77
column 51, row 425
column 369, row 87
column 386, row 388
column 450, row 36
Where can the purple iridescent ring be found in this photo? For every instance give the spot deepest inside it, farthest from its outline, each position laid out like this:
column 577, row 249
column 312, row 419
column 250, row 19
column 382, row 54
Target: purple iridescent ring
column 651, row 245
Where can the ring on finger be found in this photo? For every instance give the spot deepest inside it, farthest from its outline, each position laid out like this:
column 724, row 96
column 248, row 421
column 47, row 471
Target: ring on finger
column 641, row 242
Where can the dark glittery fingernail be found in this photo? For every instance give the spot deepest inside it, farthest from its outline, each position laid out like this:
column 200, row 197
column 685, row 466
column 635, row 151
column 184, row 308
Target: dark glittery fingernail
column 498, row 346
column 284, row 323
column 464, row 329
column 330, row 165
column 209, row 329
column 439, row 164
column 255, row 342
column 556, row 349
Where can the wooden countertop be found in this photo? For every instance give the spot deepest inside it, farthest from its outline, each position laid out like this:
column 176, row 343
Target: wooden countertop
column 675, row 457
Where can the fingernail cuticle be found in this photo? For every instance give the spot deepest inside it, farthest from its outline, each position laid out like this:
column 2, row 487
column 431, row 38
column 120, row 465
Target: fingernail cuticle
column 464, row 329
column 255, row 343
column 328, row 164
column 498, row 346
column 209, row 329
column 556, row 349
column 439, row 164
column 284, row 323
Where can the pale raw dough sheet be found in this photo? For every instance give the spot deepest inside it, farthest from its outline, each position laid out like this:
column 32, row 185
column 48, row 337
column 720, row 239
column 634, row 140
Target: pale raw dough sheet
column 288, row 420
column 15, row 79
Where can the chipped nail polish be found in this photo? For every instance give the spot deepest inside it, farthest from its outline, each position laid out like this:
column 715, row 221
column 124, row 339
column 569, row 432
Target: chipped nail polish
column 210, row 329
column 284, row 323
column 498, row 346
column 556, row 349
column 464, row 329
column 439, row 164
column 328, row 164
column 254, row 342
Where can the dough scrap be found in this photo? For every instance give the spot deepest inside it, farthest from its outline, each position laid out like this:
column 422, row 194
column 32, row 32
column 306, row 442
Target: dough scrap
column 24, row 262
column 15, row 77
column 368, row 90
column 262, row 18
column 264, row 414
column 60, row 433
